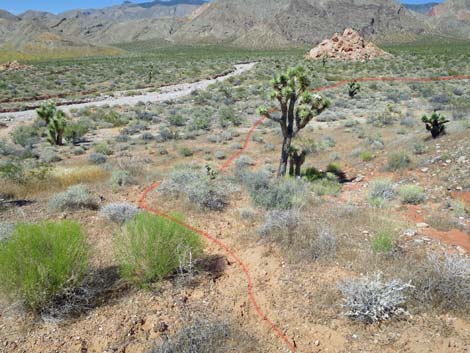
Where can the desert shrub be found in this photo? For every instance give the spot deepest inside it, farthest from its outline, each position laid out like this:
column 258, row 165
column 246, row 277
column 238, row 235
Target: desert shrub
column 246, row 214
column 122, row 178
column 371, row 299
column 419, row 148
column 201, row 336
column 299, row 234
column 243, row 162
column 270, row 194
column 326, row 186
column 227, row 117
column 119, row 212
column 197, row 187
column 220, row 154
column 25, row 135
column 114, row 119
column 12, row 171
column 199, row 123
column 40, row 260
column 397, row 161
column 104, row 149
column 76, row 197
column 366, row 156
column 382, row 243
column 186, row 151
column 443, row 282
column 75, row 131
column 97, row 158
column 380, row 191
column 412, row 194
column 49, row 155
column 149, row 248
column 177, row 120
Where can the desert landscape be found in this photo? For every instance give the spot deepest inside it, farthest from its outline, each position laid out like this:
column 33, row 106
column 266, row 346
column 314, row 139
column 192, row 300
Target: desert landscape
column 235, row 176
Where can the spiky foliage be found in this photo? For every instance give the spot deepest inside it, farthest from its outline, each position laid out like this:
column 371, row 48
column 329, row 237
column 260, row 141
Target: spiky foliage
column 435, row 124
column 56, row 122
column 353, row 89
column 298, row 107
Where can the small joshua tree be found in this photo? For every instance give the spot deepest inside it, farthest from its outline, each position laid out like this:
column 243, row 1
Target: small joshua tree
column 324, row 59
column 297, row 108
column 56, row 121
column 435, row 124
column 150, row 78
column 353, row 89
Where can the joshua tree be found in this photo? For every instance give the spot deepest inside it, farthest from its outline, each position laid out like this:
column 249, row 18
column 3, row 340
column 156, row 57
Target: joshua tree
column 324, row 59
column 297, row 108
column 353, row 89
column 435, row 124
column 150, row 74
column 56, row 122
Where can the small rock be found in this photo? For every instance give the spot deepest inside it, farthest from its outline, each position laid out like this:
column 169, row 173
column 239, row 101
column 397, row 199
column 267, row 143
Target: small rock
column 424, row 170
column 317, row 343
column 461, row 159
column 422, row 225
column 448, row 161
column 410, row 232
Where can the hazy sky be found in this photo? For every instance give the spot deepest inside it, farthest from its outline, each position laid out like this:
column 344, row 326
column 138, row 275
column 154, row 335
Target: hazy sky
column 56, row 6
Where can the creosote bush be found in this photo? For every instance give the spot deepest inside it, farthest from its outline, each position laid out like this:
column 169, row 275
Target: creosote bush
column 149, row 248
column 371, row 299
column 76, row 197
column 397, row 161
column 412, row 194
column 41, row 260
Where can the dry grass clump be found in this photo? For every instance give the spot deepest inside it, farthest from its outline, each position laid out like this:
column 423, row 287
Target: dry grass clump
column 86, row 174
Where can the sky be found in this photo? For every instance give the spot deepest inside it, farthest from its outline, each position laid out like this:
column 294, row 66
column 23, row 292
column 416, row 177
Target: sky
column 56, row 6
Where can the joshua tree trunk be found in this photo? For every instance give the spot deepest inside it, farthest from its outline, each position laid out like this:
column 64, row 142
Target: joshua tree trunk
column 284, row 156
column 296, row 161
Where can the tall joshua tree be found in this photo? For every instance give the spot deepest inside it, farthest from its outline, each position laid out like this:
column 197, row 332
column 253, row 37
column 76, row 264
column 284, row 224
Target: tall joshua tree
column 297, row 108
column 55, row 120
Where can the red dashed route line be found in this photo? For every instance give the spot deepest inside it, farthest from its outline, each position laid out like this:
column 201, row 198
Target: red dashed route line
column 250, row 292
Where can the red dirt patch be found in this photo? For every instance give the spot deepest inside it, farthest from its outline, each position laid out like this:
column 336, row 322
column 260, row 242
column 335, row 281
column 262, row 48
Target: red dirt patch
column 463, row 196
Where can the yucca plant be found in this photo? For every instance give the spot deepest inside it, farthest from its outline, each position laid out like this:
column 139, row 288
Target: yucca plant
column 435, row 124
column 56, row 122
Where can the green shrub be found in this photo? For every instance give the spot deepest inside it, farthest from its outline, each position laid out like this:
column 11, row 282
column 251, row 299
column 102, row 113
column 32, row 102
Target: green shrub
column 397, row 161
column 412, row 194
column 177, row 120
column 149, row 248
column 103, row 148
column 41, row 260
column 382, row 242
column 227, row 117
column 326, row 187
column 366, row 156
column 380, row 191
column 186, row 151
column 75, row 131
column 25, row 135
column 121, row 178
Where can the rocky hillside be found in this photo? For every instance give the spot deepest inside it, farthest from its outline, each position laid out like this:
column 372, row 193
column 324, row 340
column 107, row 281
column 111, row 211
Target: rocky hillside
column 123, row 23
column 452, row 16
column 273, row 22
column 26, row 39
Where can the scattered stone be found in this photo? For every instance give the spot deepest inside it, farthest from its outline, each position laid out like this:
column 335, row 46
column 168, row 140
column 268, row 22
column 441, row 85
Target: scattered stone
column 349, row 46
column 424, row 170
column 410, row 232
column 422, row 225
column 14, row 66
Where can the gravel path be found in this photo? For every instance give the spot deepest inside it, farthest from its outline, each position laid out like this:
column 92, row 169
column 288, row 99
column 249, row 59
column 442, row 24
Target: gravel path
column 164, row 94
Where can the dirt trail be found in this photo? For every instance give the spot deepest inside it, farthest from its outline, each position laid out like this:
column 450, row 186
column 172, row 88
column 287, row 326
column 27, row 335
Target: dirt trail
column 164, row 94
column 290, row 344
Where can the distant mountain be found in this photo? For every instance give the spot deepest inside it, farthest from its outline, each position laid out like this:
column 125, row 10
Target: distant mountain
column 122, row 23
column 452, row 16
column 28, row 39
column 421, row 8
column 5, row 15
column 294, row 22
